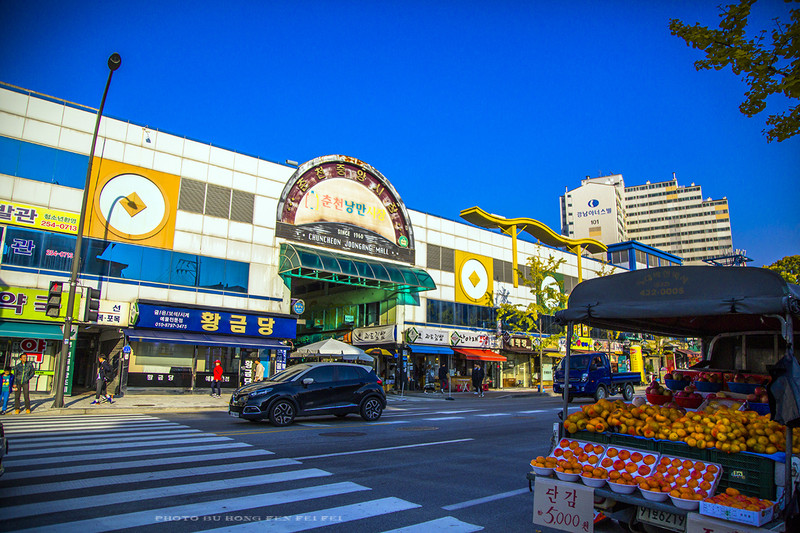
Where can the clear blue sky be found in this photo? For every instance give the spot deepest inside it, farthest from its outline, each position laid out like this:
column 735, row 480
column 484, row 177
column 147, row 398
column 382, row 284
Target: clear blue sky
column 501, row 104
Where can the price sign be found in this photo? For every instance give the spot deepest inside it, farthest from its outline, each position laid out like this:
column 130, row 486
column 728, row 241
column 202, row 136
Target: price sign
column 563, row 505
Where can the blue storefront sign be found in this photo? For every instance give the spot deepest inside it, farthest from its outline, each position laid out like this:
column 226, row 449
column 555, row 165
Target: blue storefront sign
column 212, row 321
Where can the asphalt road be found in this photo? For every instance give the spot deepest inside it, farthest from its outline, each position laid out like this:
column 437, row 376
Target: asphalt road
column 427, row 464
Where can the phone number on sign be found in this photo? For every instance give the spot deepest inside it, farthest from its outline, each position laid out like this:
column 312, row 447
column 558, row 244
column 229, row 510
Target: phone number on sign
column 59, row 225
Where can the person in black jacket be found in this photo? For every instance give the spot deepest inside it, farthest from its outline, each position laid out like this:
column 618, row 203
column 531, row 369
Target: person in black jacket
column 443, row 377
column 104, row 375
column 477, row 379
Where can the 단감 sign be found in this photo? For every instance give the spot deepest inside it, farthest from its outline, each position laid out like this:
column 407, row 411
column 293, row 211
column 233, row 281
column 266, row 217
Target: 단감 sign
column 562, row 505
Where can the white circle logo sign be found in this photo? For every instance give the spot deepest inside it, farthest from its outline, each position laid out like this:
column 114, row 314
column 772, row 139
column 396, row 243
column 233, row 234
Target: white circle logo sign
column 132, row 204
column 474, row 279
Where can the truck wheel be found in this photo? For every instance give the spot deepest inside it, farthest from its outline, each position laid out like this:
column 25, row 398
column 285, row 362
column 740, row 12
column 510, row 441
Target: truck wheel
column 600, row 394
column 627, row 392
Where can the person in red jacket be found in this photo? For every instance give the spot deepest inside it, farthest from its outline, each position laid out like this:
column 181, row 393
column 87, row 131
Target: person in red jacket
column 215, row 384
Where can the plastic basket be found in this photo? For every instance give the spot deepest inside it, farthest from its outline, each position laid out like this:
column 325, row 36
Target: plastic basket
column 676, row 384
column 658, row 399
column 599, row 438
column 750, row 474
column 707, row 386
column 760, row 408
column 629, row 441
column 681, row 449
column 743, row 388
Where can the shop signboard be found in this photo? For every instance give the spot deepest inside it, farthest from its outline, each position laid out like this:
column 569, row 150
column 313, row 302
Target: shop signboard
column 113, row 313
column 375, row 335
column 212, row 321
column 39, row 218
column 30, row 304
column 451, row 337
column 562, row 505
column 343, row 203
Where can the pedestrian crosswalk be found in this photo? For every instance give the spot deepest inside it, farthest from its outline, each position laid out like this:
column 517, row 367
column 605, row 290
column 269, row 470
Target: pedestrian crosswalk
column 115, row 472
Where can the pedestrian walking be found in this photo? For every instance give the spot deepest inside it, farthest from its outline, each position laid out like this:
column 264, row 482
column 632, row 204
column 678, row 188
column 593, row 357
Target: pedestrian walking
column 103, row 376
column 477, row 379
column 443, row 377
column 5, row 391
column 215, row 384
column 258, row 371
column 23, row 372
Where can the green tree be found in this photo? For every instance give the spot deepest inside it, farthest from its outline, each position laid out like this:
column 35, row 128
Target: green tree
column 768, row 62
column 548, row 295
column 788, row 268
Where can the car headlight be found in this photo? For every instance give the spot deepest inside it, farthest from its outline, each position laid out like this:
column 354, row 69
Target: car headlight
column 261, row 392
column 584, row 376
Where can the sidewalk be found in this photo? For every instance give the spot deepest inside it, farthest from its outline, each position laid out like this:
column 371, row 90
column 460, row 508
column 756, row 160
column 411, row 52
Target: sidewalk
column 181, row 401
column 131, row 403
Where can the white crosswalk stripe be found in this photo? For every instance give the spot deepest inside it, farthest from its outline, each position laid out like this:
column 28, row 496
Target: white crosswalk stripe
column 156, row 470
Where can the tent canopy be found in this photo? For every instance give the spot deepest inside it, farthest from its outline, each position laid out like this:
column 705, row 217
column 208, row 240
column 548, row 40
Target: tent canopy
column 330, row 347
column 687, row 301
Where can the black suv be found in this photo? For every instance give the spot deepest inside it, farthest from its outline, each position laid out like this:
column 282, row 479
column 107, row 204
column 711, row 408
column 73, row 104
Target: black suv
column 311, row 389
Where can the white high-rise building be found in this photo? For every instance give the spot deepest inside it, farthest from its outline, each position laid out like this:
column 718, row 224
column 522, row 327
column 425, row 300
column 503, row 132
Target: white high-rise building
column 664, row 215
column 596, row 210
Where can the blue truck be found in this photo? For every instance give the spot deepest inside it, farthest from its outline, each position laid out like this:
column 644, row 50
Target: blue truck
column 590, row 376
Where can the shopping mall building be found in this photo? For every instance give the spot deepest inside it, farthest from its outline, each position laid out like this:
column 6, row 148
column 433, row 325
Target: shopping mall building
column 203, row 253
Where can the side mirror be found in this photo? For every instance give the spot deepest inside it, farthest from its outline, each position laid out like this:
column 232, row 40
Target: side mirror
column 308, row 381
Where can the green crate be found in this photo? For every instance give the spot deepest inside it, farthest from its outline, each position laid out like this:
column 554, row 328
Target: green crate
column 681, row 449
column 628, row 441
column 749, row 474
column 588, row 436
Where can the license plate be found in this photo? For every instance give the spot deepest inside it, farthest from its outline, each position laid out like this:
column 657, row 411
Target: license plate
column 675, row 522
column 235, row 415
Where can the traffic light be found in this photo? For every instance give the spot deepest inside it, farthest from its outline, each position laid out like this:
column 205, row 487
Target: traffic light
column 92, row 308
column 53, row 308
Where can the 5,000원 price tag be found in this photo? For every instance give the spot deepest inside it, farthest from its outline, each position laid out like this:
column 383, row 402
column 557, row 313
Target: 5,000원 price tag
column 562, row 505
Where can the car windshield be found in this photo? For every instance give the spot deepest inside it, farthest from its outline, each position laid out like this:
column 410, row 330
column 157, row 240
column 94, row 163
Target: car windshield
column 576, row 362
column 290, row 373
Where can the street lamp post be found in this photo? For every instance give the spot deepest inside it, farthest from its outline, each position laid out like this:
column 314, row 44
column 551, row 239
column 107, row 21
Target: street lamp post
column 114, row 61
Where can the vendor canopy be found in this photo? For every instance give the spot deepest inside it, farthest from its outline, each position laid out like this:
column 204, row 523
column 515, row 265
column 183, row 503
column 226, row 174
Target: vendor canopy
column 687, row 301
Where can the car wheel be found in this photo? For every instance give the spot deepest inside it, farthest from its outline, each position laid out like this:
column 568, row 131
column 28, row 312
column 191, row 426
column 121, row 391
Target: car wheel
column 282, row 413
column 627, row 392
column 600, row 393
column 371, row 409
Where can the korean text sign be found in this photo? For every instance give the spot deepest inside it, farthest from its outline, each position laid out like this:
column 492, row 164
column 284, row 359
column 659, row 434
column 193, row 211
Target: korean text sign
column 213, row 321
column 562, row 505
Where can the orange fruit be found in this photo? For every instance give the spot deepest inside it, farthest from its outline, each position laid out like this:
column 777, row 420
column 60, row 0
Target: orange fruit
column 624, row 455
column 598, row 449
column 730, row 491
column 630, row 467
column 612, row 452
column 649, row 459
column 636, row 457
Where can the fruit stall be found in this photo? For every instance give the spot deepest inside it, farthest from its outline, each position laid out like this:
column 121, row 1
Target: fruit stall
column 711, row 448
